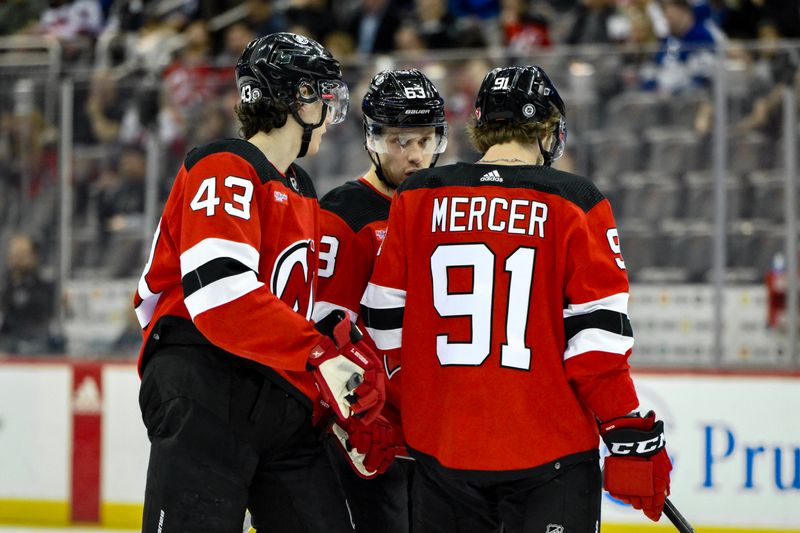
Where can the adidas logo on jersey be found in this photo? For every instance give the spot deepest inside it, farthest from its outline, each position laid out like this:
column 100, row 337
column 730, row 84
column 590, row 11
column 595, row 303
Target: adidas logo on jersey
column 492, row 176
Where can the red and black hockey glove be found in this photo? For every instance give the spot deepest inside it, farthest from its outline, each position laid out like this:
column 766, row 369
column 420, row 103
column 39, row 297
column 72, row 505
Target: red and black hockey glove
column 349, row 375
column 369, row 448
column 637, row 471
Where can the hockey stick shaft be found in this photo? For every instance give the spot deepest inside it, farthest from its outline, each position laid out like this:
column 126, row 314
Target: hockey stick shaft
column 677, row 519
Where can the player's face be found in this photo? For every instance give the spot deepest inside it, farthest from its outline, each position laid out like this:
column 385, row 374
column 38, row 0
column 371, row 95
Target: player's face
column 406, row 151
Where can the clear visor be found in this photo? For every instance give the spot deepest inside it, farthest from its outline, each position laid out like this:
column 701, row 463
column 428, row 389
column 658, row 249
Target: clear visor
column 429, row 140
column 335, row 95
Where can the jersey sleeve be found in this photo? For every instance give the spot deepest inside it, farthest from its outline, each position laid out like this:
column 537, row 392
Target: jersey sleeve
column 346, row 260
column 596, row 324
column 224, row 289
column 384, row 300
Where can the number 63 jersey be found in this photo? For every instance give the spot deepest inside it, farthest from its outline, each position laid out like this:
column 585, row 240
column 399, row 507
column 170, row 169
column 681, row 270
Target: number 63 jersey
column 504, row 289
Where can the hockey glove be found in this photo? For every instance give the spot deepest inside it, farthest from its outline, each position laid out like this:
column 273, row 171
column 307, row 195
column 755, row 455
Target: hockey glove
column 370, row 449
column 637, row 471
column 348, row 374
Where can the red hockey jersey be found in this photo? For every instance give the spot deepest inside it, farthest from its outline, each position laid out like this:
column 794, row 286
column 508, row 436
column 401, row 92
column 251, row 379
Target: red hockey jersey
column 506, row 292
column 353, row 220
column 234, row 258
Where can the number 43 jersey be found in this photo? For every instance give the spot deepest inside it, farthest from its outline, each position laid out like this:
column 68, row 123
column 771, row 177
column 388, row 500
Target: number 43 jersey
column 234, row 261
column 504, row 289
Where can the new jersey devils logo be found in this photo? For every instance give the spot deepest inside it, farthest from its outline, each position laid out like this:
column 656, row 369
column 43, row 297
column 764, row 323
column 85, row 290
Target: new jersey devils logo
column 292, row 279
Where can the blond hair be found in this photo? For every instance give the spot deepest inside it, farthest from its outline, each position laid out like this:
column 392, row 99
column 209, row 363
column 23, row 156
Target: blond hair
column 495, row 132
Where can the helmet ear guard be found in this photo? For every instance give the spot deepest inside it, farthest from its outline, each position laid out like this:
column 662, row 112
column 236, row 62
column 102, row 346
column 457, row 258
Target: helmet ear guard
column 522, row 95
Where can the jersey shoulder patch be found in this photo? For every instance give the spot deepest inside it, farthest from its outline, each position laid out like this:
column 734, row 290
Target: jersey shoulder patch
column 356, row 204
column 255, row 157
column 573, row 188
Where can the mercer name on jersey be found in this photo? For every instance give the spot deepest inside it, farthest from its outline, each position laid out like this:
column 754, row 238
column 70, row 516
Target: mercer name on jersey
column 475, row 213
column 511, row 296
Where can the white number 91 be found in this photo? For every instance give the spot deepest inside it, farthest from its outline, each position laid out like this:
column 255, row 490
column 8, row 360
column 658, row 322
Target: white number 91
column 613, row 241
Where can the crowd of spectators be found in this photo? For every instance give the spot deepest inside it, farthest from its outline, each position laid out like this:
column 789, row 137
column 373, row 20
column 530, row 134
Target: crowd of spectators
column 161, row 69
column 155, row 32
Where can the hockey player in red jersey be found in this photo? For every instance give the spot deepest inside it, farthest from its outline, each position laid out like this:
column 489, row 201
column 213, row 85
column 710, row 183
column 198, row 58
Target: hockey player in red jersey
column 502, row 285
column 231, row 363
column 405, row 131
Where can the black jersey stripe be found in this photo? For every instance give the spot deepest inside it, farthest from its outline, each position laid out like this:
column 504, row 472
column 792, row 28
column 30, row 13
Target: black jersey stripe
column 576, row 189
column 243, row 149
column 295, row 179
column 612, row 321
column 208, row 273
column 383, row 319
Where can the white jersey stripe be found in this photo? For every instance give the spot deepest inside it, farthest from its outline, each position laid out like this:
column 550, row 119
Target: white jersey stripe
column 616, row 302
column 144, row 289
column 146, row 309
column 599, row 340
column 212, row 248
column 386, row 339
column 379, row 297
column 221, row 292
column 144, row 312
column 323, row 309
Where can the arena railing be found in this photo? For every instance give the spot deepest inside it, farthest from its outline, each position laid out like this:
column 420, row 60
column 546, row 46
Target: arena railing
column 703, row 189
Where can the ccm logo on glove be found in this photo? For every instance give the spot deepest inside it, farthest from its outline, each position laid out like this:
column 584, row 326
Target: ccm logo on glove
column 637, row 471
column 644, row 448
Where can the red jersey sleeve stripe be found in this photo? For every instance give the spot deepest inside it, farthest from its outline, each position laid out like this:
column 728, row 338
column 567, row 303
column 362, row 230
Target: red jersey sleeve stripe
column 214, row 248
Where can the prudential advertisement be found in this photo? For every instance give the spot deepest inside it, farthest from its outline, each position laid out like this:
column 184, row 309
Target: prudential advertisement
column 734, row 442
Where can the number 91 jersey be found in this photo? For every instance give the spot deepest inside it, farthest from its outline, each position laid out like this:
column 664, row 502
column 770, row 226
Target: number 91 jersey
column 506, row 293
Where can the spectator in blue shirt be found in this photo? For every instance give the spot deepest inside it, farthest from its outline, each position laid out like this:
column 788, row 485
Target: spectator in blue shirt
column 686, row 58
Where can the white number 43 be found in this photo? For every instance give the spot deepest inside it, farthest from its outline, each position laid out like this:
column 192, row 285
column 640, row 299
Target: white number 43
column 242, row 194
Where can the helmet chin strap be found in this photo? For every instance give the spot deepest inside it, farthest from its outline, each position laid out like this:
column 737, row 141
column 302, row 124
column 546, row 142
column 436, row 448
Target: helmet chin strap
column 379, row 170
column 546, row 154
column 308, row 129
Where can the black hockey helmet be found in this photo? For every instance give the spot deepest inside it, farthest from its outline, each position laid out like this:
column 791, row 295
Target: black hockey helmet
column 522, row 95
column 293, row 69
column 402, row 99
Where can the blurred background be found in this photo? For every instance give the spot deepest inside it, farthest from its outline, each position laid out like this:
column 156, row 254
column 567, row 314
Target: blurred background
column 684, row 112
